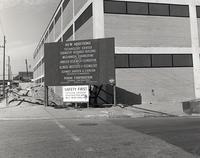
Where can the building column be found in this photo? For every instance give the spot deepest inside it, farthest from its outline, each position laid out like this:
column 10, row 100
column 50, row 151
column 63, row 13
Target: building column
column 195, row 47
column 98, row 19
column 73, row 35
column 61, row 23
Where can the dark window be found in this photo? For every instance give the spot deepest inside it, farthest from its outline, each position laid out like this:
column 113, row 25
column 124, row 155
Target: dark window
column 115, row 7
column 58, row 16
column 51, row 27
column 198, row 11
column 138, row 60
column 179, row 10
column 42, row 43
column 83, row 18
column 137, row 8
column 68, row 34
column 159, row 9
column 39, row 47
column 164, row 60
column 65, row 3
column 182, row 60
column 46, row 35
column 121, row 61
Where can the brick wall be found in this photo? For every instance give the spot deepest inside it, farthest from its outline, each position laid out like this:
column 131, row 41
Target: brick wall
column 148, row 31
column 158, row 84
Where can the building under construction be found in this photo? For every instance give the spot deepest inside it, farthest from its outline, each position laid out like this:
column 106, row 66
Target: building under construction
column 156, row 44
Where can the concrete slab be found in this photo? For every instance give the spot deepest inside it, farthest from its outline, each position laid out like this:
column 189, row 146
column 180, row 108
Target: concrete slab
column 172, row 108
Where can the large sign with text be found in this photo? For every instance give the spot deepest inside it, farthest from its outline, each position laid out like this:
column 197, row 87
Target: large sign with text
column 84, row 62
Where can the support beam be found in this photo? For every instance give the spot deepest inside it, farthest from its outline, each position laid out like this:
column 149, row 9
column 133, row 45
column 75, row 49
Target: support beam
column 98, row 19
column 195, row 47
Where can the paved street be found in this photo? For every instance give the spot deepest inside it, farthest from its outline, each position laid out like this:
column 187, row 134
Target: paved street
column 81, row 138
column 29, row 131
column 182, row 132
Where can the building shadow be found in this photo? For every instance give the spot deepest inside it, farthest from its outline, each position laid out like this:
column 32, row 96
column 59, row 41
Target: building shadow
column 103, row 95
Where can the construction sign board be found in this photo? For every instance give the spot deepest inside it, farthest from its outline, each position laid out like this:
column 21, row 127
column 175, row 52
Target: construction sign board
column 83, row 62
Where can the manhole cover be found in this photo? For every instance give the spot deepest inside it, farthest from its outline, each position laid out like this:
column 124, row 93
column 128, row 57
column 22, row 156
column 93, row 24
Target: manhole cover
column 88, row 124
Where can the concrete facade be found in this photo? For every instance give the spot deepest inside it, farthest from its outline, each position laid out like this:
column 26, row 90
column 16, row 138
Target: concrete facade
column 135, row 34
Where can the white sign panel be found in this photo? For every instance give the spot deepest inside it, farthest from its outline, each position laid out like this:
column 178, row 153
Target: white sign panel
column 76, row 94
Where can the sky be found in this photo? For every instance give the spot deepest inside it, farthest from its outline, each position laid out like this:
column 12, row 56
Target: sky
column 23, row 22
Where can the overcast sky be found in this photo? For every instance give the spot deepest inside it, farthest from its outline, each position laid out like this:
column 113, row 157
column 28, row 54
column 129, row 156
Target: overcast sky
column 23, row 22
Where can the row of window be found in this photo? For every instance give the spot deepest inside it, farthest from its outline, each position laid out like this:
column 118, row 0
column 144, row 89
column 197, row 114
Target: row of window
column 142, row 8
column 38, row 65
column 40, row 80
column 78, row 23
column 68, row 33
column 87, row 14
column 147, row 61
column 83, row 17
column 152, row 60
column 198, row 11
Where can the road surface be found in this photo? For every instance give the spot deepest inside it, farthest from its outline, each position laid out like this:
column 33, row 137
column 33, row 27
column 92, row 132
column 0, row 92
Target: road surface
column 183, row 131
column 97, row 138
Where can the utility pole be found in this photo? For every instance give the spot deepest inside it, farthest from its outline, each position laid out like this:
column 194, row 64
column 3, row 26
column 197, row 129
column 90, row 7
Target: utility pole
column 9, row 71
column 4, row 62
column 26, row 67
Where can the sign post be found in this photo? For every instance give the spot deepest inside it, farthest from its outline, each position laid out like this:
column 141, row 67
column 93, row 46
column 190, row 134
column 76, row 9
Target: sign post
column 113, row 84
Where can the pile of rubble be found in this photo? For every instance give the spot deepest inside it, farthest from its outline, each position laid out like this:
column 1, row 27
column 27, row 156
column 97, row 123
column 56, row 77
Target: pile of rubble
column 33, row 94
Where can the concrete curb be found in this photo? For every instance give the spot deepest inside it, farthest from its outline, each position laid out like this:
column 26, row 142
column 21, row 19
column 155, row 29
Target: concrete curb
column 154, row 111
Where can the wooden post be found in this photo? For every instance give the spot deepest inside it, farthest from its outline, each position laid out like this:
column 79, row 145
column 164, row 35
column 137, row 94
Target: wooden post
column 7, row 97
column 46, row 96
column 88, row 103
column 114, row 95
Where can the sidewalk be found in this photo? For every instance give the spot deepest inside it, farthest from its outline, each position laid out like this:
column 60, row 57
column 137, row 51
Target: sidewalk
column 32, row 111
column 26, row 109
column 41, row 112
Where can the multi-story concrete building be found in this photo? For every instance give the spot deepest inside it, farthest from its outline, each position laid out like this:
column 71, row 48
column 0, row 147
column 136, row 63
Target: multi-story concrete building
column 156, row 43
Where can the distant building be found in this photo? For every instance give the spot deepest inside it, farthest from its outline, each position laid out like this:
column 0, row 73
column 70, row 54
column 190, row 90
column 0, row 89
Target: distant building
column 6, row 82
column 24, row 76
column 156, row 43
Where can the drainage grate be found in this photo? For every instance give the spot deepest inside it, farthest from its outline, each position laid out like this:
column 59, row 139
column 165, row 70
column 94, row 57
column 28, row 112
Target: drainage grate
column 88, row 124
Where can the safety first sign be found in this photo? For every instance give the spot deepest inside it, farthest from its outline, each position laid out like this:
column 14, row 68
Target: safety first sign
column 76, row 94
